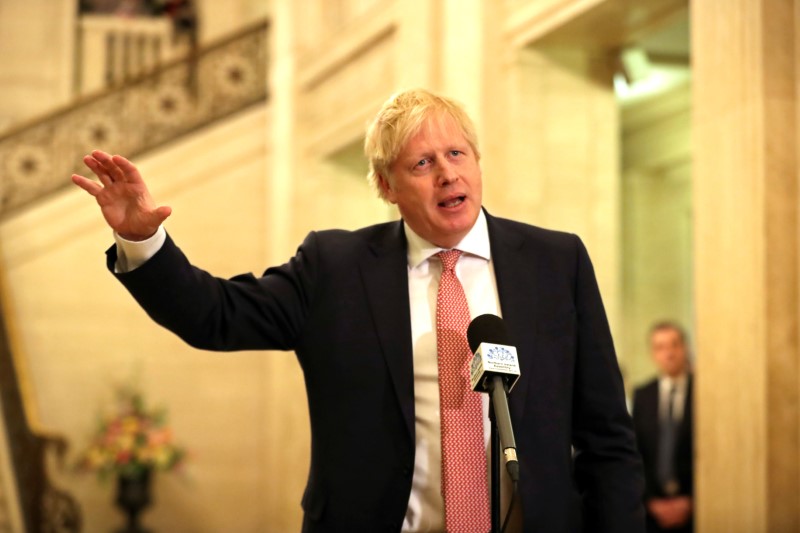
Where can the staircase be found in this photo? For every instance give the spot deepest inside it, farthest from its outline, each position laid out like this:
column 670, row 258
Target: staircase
column 163, row 107
column 182, row 96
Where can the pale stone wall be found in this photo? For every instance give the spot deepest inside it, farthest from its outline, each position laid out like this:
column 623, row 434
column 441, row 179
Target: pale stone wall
column 36, row 62
column 656, row 224
column 221, row 18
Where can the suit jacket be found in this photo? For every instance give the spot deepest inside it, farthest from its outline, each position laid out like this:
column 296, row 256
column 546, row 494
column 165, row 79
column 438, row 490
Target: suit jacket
column 646, row 422
column 342, row 304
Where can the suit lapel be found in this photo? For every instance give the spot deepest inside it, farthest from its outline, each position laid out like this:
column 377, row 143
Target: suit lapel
column 384, row 272
column 385, row 275
column 515, row 284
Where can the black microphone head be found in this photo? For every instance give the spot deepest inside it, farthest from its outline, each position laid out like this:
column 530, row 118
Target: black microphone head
column 487, row 328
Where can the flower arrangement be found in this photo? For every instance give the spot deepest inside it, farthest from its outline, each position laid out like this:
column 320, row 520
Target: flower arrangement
column 131, row 441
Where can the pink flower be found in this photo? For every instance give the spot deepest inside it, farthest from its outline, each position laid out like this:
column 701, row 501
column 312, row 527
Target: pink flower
column 159, row 436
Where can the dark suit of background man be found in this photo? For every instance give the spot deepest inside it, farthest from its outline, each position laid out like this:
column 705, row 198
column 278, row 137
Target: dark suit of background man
column 359, row 309
column 662, row 415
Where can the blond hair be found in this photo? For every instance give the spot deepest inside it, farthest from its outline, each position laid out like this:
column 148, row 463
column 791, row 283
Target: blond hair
column 399, row 119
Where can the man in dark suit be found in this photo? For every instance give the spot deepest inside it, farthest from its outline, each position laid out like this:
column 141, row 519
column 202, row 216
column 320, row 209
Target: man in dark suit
column 362, row 309
column 662, row 415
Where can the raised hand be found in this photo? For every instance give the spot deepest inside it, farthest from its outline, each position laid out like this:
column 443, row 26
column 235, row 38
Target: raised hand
column 122, row 195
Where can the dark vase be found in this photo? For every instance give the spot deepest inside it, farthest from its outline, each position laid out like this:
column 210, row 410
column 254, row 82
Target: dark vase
column 133, row 495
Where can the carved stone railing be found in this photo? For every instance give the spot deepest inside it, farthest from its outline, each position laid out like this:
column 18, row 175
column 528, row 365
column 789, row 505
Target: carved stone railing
column 37, row 158
column 114, row 49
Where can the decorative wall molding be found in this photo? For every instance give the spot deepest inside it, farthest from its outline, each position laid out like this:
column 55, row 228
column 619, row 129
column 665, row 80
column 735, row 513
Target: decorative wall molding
column 343, row 47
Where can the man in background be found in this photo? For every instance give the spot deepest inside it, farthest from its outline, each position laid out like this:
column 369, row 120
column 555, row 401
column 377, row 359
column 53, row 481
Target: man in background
column 662, row 416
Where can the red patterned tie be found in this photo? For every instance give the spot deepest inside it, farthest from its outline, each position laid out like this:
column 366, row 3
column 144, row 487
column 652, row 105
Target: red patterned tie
column 464, row 484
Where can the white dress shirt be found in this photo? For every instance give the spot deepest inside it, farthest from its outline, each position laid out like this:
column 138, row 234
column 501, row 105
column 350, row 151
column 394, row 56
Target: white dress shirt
column 475, row 272
column 665, row 385
column 133, row 254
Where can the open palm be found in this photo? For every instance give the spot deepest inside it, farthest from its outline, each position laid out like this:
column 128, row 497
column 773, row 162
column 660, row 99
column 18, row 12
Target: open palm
column 122, row 195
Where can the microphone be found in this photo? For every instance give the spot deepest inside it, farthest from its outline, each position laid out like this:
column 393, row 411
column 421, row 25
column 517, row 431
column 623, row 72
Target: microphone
column 495, row 369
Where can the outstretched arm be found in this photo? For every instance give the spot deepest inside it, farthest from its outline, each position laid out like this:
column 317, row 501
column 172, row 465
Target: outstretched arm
column 122, row 195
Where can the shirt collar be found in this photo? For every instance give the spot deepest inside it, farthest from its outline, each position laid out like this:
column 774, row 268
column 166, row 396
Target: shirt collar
column 476, row 242
column 679, row 382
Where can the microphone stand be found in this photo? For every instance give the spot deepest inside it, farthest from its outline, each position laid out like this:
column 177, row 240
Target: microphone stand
column 494, row 453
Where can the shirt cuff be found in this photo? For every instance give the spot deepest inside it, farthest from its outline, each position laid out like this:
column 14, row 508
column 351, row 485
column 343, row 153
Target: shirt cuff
column 133, row 254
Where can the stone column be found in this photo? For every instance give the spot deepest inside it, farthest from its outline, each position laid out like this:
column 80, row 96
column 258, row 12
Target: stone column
column 744, row 56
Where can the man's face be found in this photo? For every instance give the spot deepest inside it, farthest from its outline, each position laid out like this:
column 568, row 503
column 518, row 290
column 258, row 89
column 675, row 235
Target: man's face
column 436, row 183
column 669, row 351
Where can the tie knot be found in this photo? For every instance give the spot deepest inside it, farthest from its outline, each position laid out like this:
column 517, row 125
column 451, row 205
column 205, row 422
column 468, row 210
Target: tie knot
column 449, row 259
